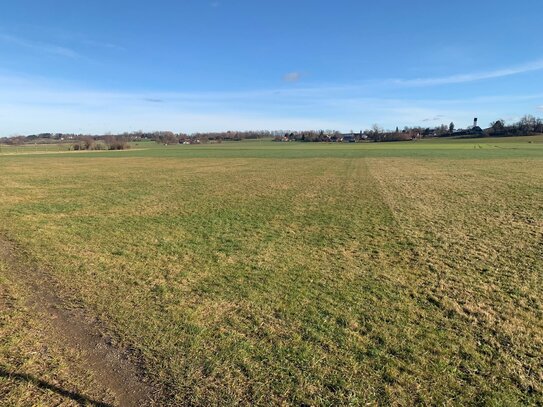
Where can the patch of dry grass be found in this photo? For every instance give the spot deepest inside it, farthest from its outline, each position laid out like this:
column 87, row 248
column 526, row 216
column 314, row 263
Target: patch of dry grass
column 477, row 232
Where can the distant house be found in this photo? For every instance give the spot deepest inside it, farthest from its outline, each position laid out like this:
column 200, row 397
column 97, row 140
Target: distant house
column 474, row 130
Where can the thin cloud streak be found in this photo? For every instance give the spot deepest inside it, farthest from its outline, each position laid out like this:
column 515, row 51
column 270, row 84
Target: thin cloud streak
column 64, row 106
column 40, row 46
column 434, row 119
column 41, row 90
column 106, row 45
column 472, row 77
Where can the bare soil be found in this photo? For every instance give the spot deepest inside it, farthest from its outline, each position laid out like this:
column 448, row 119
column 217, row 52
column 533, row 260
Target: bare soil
column 119, row 371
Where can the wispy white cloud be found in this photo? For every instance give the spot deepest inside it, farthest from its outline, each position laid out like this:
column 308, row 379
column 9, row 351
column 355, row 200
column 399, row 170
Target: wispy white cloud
column 63, row 106
column 107, row 45
column 292, row 77
column 540, row 108
column 66, row 107
column 39, row 46
column 472, row 77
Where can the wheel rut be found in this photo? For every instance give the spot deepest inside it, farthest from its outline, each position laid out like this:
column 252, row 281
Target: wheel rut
column 119, row 371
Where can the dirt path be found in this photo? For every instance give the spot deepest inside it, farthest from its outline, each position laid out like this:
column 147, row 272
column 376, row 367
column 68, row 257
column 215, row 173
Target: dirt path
column 116, row 370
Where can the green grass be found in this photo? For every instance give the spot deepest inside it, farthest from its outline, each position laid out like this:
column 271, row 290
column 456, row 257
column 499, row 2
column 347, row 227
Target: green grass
column 269, row 273
column 505, row 147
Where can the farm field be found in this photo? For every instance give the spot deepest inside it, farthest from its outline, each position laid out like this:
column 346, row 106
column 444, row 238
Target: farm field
column 261, row 273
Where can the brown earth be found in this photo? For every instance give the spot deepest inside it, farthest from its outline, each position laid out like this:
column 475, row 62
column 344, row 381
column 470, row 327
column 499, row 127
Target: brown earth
column 118, row 371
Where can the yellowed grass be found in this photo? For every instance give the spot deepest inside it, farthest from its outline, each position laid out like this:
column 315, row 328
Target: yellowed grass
column 321, row 280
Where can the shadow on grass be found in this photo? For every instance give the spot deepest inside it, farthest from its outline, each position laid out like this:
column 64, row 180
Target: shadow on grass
column 79, row 398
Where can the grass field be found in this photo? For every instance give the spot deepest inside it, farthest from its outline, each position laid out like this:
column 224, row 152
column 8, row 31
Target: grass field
column 296, row 274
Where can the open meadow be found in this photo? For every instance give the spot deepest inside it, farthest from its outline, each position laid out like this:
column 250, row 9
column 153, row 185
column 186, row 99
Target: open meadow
column 261, row 273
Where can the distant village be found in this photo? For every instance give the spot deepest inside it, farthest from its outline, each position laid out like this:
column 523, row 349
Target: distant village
column 527, row 125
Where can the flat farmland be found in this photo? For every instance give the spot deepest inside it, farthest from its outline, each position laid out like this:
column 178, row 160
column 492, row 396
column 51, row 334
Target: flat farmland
column 261, row 273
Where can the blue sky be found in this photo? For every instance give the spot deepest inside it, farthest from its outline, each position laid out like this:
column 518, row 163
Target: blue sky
column 197, row 65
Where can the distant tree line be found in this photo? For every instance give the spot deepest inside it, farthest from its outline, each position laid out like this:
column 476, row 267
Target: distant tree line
column 527, row 125
column 107, row 142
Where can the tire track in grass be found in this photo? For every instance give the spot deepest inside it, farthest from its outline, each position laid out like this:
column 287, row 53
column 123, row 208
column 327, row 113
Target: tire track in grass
column 118, row 370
